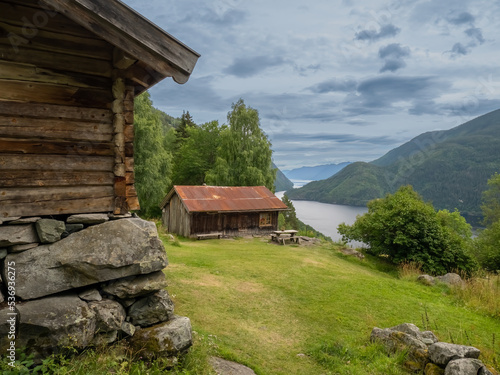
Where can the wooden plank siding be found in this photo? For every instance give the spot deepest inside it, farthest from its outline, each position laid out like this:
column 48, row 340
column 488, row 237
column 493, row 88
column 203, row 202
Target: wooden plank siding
column 58, row 127
column 231, row 224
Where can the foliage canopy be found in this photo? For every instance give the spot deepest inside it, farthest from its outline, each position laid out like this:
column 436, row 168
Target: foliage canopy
column 404, row 228
column 244, row 153
column 152, row 156
column 487, row 247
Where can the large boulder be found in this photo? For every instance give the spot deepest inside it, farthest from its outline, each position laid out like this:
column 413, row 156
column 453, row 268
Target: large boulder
column 406, row 337
column 55, row 322
column 466, row 366
column 103, row 252
column 11, row 235
column 441, row 352
column 163, row 340
column 153, row 309
column 136, row 286
column 451, row 279
column 110, row 315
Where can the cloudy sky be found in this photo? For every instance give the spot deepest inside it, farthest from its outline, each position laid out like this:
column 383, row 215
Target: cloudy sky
column 335, row 80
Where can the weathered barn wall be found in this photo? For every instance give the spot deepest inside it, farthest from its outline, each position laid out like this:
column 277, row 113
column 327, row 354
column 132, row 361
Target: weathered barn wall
column 232, row 224
column 66, row 117
column 175, row 217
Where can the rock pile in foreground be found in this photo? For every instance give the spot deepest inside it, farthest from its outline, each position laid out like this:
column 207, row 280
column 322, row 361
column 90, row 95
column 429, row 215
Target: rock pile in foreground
column 426, row 354
column 84, row 281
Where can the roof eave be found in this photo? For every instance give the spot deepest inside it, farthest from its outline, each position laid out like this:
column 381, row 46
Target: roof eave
column 161, row 54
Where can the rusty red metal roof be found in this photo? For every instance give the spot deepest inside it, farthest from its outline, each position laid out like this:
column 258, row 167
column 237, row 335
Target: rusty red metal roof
column 226, row 198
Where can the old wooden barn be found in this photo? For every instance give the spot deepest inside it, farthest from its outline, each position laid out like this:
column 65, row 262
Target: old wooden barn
column 69, row 72
column 193, row 211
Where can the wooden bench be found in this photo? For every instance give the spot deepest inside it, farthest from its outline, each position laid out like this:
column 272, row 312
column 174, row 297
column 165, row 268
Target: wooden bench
column 206, row 236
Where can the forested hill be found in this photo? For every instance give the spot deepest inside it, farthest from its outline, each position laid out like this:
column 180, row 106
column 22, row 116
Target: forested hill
column 282, row 182
column 449, row 168
column 318, row 172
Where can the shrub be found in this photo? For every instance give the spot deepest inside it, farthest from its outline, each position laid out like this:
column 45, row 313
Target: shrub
column 404, row 228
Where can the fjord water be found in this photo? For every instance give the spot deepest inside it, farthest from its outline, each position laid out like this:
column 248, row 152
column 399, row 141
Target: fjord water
column 325, row 217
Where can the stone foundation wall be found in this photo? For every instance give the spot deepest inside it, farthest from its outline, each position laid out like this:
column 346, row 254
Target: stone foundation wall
column 86, row 280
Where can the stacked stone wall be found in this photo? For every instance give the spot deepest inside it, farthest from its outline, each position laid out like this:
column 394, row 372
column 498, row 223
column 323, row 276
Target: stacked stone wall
column 86, row 280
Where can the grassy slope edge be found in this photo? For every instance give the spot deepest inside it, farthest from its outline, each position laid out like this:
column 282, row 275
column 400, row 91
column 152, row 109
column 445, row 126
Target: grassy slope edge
column 298, row 310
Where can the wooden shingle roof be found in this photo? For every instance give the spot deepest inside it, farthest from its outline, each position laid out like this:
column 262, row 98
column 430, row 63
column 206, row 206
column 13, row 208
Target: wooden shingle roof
column 226, row 198
column 149, row 53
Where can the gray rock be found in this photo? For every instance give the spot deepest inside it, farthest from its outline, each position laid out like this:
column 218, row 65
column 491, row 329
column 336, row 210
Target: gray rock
column 90, row 295
column 2, row 297
column 427, row 337
column 7, row 220
column 405, row 337
column 451, row 279
column 152, row 309
column 136, row 286
column 118, row 217
column 25, row 220
column 223, row 367
column 3, row 253
column 352, row 252
column 47, row 324
column 89, row 219
column 128, row 329
column 463, row 366
column 104, row 252
column 426, row 280
column 163, row 340
column 395, row 340
column 49, row 230
column 11, row 235
column 441, row 352
column 21, row 248
column 110, row 315
column 73, row 228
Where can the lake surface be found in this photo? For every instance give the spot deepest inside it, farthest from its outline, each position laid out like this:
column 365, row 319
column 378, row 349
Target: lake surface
column 326, row 217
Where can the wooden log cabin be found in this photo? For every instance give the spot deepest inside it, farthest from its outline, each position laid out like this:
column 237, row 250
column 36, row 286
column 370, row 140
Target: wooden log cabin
column 208, row 211
column 69, row 72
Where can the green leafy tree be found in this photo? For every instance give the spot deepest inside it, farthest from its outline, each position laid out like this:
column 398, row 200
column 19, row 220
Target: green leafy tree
column 487, row 244
column 186, row 123
column 197, row 154
column 491, row 201
column 244, row 153
column 404, row 228
column 290, row 216
column 152, row 158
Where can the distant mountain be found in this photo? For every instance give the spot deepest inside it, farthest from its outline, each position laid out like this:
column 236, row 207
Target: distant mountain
column 449, row 168
column 319, row 172
column 282, row 183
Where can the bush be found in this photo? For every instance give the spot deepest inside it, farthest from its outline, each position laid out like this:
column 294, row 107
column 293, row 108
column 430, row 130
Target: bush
column 487, row 248
column 404, row 228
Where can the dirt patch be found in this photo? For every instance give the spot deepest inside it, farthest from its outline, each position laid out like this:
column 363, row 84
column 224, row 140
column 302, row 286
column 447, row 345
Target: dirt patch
column 205, row 280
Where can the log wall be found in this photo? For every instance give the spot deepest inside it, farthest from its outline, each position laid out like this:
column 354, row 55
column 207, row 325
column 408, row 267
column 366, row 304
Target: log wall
column 66, row 117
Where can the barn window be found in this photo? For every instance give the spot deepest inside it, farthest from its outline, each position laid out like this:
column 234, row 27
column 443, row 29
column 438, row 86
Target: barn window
column 265, row 219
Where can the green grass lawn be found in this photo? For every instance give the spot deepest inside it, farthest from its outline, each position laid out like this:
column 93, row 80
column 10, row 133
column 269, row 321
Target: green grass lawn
column 307, row 310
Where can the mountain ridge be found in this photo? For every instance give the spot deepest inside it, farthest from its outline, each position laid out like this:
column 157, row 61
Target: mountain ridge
column 449, row 168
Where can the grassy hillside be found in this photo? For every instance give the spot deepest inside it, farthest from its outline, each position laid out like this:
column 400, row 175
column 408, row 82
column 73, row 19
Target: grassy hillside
column 307, row 310
column 449, row 168
column 294, row 310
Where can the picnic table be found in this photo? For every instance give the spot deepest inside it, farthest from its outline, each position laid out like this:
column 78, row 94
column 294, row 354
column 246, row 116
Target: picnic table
column 284, row 235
